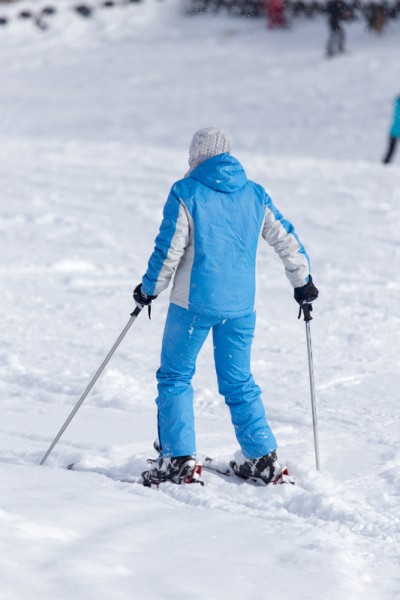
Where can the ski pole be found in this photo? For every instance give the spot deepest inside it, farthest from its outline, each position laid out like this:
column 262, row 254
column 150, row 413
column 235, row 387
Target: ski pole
column 92, row 382
column 307, row 308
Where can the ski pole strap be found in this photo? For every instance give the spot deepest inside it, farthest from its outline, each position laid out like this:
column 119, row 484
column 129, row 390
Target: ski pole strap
column 306, row 308
column 137, row 311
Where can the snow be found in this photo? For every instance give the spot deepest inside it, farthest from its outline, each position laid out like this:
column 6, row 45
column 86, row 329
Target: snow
column 97, row 116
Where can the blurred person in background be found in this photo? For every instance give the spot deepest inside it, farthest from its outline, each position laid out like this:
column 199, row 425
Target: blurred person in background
column 337, row 12
column 394, row 133
column 275, row 11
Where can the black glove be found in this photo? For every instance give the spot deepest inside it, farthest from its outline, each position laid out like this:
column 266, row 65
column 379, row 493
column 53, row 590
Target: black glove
column 141, row 299
column 307, row 293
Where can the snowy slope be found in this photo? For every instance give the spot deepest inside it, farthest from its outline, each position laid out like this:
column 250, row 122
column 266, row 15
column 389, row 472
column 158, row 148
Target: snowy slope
column 96, row 119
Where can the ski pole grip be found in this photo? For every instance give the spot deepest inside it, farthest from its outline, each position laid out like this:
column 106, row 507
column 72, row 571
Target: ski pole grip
column 306, row 308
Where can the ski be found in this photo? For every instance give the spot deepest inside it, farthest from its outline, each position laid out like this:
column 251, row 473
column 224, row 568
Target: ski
column 212, row 465
column 195, row 478
column 208, row 464
column 228, row 470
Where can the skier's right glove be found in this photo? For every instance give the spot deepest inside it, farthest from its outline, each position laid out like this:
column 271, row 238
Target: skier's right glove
column 141, row 299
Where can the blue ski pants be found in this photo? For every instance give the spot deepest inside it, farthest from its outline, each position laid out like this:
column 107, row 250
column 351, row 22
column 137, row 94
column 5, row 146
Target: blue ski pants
column 184, row 334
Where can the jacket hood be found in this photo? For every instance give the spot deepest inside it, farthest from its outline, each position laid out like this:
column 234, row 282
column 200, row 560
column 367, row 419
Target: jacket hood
column 223, row 173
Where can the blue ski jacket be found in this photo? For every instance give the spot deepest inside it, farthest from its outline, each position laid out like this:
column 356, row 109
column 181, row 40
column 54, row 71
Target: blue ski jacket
column 209, row 235
column 395, row 129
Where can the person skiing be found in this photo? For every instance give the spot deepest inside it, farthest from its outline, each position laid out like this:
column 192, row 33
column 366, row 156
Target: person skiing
column 337, row 12
column 208, row 239
column 275, row 11
column 394, row 133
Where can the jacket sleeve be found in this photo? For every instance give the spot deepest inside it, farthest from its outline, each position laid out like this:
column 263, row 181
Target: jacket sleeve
column 170, row 246
column 280, row 234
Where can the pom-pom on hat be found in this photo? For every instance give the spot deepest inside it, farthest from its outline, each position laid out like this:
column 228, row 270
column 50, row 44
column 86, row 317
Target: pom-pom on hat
column 208, row 142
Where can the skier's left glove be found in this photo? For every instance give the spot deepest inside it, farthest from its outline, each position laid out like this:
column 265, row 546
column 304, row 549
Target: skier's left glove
column 141, row 299
column 307, row 293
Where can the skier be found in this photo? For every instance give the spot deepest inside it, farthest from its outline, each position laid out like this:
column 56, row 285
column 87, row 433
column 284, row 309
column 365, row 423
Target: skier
column 275, row 11
column 337, row 12
column 394, row 134
column 208, row 237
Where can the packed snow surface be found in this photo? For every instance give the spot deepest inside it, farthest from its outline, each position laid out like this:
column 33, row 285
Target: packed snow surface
column 96, row 119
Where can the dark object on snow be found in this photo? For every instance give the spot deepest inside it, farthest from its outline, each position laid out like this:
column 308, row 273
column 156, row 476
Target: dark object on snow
column 108, row 4
column 49, row 10
column 25, row 14
column 3, row 21
column 83, row 10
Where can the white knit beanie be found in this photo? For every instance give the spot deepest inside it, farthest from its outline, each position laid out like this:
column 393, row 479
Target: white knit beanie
column 207, row 142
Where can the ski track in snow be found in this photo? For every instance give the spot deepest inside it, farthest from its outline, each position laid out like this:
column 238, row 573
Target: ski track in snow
column 98, row 117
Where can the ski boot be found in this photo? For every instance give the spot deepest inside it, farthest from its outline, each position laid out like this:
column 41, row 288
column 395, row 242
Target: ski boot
column 179, row 469
column 264, row 470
